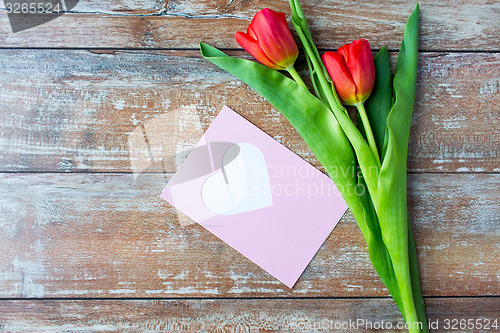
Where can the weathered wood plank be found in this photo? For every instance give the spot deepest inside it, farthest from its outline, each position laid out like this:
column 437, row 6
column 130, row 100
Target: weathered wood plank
column 104, row 235
column 445, row 25
column 76, row 110
column 242, row 315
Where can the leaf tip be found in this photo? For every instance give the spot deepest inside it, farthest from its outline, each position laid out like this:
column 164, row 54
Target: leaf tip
column 204, row 48
column 417, row 10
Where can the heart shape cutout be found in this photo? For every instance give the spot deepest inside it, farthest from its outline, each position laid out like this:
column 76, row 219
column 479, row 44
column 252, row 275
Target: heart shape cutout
column 26, row 14
column 242, row 185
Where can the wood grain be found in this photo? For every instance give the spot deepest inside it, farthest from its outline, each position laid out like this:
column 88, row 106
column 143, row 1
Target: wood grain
column 119, row 91
column 106, row 235
column 238, row 315
column 445, row 25
column 76, row 110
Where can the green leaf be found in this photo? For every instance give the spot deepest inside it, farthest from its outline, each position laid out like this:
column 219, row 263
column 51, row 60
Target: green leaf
column 380, row 101
column 391, row 205
column 379, row 256
column 415, row 281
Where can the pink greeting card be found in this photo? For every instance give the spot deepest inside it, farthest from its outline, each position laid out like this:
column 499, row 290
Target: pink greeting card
column 257, row 196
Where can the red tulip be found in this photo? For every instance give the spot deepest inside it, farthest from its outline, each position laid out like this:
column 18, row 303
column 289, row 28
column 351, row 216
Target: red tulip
column 352, row 71
column 269, row 40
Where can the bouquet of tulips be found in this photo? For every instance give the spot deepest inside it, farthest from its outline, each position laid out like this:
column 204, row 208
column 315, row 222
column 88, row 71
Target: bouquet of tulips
column 376, row 146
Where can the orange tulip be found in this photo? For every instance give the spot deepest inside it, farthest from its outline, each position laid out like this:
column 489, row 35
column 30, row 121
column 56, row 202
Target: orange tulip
column 352, row 71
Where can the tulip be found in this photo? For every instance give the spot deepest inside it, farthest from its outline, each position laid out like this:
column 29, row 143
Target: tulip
column 324, row 124
column 353, row 74
column 269, row 41
column 352, row 71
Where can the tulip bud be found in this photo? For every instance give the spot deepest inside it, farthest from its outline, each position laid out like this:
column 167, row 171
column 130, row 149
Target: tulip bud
column 269, row 40
column 352, row 71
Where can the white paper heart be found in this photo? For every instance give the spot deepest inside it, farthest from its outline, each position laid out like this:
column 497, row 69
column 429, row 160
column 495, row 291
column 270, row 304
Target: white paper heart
column 242, row 185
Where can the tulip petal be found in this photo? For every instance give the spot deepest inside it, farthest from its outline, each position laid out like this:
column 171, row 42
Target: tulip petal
column 251, row 33
column 342, row 79
column 250, row 45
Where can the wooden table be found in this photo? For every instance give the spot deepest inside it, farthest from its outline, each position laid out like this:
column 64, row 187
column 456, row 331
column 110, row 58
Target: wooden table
column 86, row 248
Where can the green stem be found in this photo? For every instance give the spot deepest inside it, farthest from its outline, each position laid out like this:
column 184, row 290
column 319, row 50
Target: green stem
column 368, row 130
column 325, row 86
column 296, row 76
